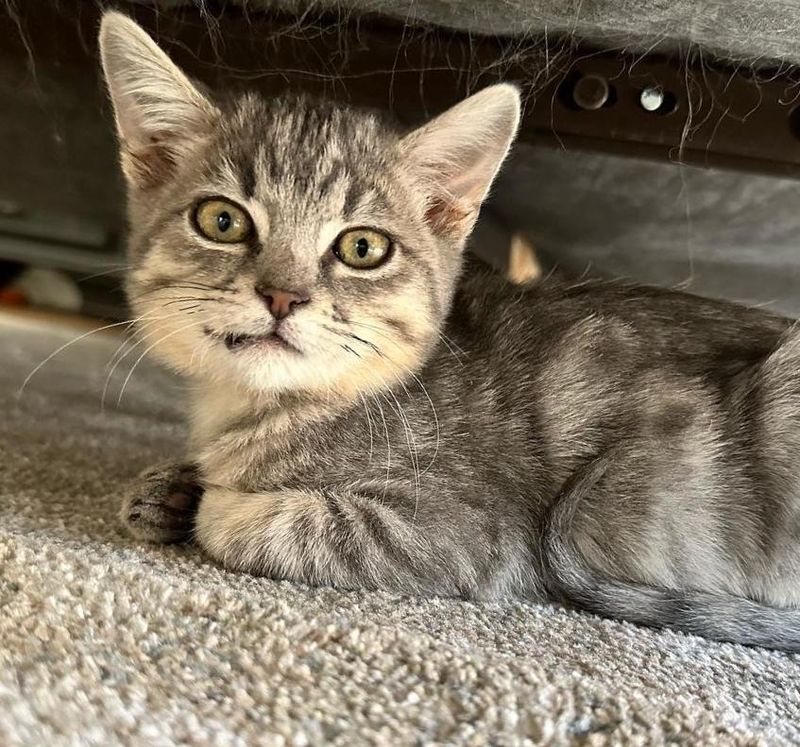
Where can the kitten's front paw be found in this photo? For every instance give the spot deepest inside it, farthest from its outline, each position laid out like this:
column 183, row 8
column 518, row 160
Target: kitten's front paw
column 161, row 504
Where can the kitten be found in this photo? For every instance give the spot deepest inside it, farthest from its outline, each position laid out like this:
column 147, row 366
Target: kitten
column 368, row 409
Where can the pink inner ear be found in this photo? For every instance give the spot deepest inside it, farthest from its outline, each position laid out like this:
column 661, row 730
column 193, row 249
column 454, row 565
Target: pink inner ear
column 149, row 165
column 445, row 216
column 458, row 154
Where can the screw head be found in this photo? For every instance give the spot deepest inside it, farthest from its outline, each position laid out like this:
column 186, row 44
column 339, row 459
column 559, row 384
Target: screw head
column 590, row 92
column 651, row 98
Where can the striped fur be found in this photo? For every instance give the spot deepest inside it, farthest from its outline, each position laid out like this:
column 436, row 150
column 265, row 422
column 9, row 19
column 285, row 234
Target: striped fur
column 428, row 427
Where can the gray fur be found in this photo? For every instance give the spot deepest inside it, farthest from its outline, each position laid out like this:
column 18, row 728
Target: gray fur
column 437, row 430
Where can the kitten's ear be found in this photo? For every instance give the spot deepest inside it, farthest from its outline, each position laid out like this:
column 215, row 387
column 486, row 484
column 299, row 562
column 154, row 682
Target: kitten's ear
column 458, row 154
column 158, row 111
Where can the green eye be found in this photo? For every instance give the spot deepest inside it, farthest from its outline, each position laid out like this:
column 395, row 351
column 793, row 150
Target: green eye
column 220, row 220
column 362, row 248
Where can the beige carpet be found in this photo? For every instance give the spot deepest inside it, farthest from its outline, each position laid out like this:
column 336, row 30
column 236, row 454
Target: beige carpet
column 104, row 641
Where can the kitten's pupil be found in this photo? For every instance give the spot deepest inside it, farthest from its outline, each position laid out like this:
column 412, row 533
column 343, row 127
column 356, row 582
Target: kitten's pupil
column 362, row 247
column 224, row 221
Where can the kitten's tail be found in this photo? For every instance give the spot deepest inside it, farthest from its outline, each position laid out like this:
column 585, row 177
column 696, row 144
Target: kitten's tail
column 719, row 617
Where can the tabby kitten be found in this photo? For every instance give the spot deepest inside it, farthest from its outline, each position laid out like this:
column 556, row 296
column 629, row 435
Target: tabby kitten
column 368, row 409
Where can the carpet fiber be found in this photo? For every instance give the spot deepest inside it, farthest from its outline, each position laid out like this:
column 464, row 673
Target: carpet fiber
column 104, row 641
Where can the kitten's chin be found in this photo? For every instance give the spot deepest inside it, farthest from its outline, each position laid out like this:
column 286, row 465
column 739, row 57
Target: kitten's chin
column 274, row 369
column 278, row 362
column 268, row 364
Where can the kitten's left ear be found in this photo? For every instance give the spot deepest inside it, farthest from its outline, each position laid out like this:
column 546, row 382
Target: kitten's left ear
column 458, row 154
column 159, row 112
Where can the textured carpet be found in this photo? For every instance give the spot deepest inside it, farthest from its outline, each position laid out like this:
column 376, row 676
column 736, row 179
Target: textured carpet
column 104, row 641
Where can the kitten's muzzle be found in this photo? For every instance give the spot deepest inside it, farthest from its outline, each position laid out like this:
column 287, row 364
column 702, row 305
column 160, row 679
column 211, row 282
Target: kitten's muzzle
column 280, row 302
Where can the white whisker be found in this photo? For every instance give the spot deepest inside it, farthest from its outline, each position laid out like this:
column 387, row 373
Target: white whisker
column 369, row 425
column 64, row 347
column 150, row 321
column 416, row 378
column 141, row 357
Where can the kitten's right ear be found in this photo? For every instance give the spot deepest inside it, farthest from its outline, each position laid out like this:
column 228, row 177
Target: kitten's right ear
column 158, row 111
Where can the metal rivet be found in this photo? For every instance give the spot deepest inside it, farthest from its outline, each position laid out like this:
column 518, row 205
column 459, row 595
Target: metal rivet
column 590, row 92
column 652, row 99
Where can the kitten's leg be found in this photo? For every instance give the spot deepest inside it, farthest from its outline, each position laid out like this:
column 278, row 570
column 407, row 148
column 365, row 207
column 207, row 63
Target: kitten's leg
column 352, row 540
column 160, row 505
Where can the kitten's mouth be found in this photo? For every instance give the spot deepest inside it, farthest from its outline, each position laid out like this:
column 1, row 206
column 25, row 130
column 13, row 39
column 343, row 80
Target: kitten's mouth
column 236, row 341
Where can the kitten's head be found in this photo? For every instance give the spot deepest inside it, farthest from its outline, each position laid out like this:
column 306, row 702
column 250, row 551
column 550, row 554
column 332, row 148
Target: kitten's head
column 286, row 245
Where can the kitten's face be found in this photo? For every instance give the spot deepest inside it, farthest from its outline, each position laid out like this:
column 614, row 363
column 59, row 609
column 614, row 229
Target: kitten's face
column 287, row 246
column 287, row 254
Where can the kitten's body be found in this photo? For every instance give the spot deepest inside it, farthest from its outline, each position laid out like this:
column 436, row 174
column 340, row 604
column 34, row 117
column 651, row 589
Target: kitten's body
column 627, row 449
column 664, row 385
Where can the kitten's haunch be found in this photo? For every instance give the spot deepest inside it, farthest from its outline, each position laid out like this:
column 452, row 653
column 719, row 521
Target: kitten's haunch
column 369, row 409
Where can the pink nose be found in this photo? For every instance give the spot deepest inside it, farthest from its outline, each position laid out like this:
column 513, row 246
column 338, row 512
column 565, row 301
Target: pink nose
column 280, row 303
